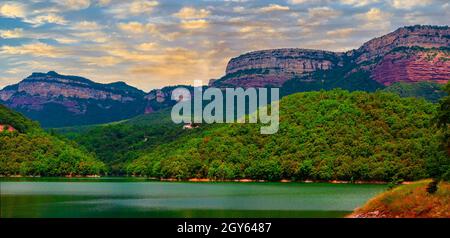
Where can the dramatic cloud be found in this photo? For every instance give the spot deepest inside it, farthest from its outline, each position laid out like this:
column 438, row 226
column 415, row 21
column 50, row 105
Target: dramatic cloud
column 408, row 4
column 132, row 8
column 86, row 26
column 12, row 10
column 359, row 3
column 273, row 7
column 344, row 32
column 191, row 13
column 35, row 49
column 137, row 27
column 49, row 18
column 73, row 4
column 154, row 43
column 15, row 33
column 194, row 24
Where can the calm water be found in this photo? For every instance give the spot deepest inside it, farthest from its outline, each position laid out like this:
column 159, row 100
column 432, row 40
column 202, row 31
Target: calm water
column 140, row 198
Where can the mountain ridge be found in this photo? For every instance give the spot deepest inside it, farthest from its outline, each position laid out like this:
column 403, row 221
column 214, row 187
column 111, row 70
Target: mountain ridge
column 73, row 98
column 261, row 68
column 410, row 54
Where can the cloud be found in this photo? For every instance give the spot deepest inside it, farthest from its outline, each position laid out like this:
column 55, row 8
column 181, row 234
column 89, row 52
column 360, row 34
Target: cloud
column 93, row 36
column 178, row 41
column 137, row 7
column 66, row 40
column 48, row 18
column 257, row 29
column 101, row 61
column 318, row 16
column 103, row 2
column 342, row 33
column 15, row 33
column 132, row 8
column 272, row 8
column 73, row 4
column 374, row 14
column 12, row 10
column 374, row 19
column 174, row 66
column 359, row 3
column 137, row 27
column 192, row 13
column 239, row 9
column 149, row 46
column 86, row 26
column 298, row 1
column 323, row 12
column 194, row 24
column 409, row 4
column 35, row 49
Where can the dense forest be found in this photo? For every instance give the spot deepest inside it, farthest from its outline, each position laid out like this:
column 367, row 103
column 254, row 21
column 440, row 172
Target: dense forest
column 430, row 91
column 31, row 151
column 326, row 135
column 118, row 144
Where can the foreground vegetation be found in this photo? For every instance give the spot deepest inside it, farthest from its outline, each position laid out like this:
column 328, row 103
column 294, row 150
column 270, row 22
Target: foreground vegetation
column 326, row 135
column 31, row 151
column 409, row 201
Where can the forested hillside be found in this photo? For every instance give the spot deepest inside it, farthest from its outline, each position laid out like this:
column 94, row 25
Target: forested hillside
column 432, row 92
column 30, row 151
column 120, row 143
column 326, row 135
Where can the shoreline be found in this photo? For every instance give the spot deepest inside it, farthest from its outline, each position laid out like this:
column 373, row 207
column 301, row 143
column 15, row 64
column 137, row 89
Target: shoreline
column 207, row 180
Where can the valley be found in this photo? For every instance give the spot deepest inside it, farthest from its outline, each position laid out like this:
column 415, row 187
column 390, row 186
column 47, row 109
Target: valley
column 371, row 118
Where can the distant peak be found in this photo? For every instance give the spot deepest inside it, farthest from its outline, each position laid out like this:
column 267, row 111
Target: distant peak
column 435, row 27
column 49, row 73
column 52, row 73
column 118, row 83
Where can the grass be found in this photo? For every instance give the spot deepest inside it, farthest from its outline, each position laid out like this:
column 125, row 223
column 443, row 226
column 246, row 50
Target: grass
column 408, row 201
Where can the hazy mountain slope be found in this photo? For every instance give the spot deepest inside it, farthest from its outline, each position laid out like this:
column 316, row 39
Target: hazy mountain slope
column 57, row 100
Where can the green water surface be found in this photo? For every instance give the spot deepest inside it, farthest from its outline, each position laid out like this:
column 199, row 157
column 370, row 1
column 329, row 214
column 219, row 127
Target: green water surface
column 124, row 197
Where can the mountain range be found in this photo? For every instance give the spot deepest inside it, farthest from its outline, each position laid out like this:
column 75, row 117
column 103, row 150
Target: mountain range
column 409, row 55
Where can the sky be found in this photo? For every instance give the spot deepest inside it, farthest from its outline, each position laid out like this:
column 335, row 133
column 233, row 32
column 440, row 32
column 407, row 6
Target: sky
column 154, row 43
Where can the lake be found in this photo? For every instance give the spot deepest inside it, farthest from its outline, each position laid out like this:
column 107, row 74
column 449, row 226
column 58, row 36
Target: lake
column 126, row 197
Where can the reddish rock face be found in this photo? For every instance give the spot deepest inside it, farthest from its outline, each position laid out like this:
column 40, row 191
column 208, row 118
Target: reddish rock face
column 422, row 36
column 420, row 66
column 425, row 57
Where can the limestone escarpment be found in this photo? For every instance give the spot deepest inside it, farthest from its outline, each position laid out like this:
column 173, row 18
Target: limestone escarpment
column 274, row 67
column 413, row 65
column 60, row 100
column 409, row 54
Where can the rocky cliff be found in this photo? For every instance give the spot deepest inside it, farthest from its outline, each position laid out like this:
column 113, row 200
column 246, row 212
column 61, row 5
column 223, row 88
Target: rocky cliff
column 274, row 67
column 158, row 99
column 60, row 100
column 409, row 54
